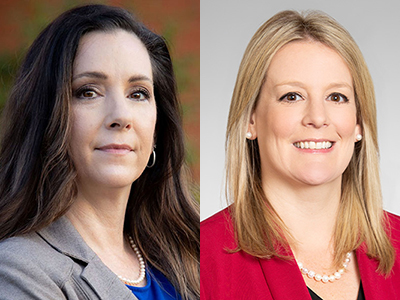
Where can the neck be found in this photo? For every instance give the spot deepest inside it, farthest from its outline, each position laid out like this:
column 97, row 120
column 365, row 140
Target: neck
column 98, row 215
column 309, row 212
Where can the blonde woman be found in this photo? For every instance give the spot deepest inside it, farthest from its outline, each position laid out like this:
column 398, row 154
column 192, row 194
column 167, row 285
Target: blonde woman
column 306, row 220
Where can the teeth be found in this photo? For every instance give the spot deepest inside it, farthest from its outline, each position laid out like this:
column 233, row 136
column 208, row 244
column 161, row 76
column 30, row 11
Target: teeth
column 313, row 145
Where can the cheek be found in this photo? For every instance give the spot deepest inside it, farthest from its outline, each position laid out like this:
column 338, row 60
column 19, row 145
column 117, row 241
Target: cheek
column 145, row 126
column 345, row 123
column 77, row 128
column 83, row 125
column 277, row 123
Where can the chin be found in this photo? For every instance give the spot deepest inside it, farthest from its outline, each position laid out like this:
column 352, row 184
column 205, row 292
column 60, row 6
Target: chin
column 117, row 183
column 117, row 178
column 316, row 178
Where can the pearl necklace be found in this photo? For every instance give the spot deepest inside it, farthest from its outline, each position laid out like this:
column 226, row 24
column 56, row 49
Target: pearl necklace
column 326, row 278
column 142, row 267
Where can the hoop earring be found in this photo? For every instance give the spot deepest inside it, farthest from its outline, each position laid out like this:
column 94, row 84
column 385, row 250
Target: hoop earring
column 154, row 160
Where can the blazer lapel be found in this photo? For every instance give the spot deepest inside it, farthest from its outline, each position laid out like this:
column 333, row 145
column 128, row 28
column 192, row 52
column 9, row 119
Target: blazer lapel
column 374, row 284
column 63, row 236
column 284, row 279
column 104, row 282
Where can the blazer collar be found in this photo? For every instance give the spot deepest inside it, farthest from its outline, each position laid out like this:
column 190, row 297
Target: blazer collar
column 375, row 285
column 284, row 279
column 63, row 237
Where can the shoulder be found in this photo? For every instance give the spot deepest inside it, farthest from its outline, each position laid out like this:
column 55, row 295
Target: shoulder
column 217, row 241
column 33, row 250
column 393, row 224
column 216, row 219
column 393, row 228
column 225, row 272
column 28, row 261
column 217, row 230
column 394, row 220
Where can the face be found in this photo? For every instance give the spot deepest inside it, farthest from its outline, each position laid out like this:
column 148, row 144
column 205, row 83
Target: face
column 114, row 110
column 305, row 119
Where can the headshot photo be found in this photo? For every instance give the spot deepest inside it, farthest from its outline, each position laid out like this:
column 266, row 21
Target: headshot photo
column 99, row 181
column 297, row 199
column 222, row 48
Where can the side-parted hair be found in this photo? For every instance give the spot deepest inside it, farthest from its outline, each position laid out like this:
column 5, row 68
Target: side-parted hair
column 259, row 230
column 37, row 176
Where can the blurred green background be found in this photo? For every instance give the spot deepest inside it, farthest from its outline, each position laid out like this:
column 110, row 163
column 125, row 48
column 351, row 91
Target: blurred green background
column 177, row 20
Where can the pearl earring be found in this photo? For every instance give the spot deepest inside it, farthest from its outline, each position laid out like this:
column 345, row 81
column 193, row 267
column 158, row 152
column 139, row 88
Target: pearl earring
column 359, row 137
column 249, row 135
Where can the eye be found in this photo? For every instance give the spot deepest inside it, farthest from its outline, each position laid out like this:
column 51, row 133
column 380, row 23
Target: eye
column 86, row 93
column 291, row 97
column 140, row 95
column 338, row 98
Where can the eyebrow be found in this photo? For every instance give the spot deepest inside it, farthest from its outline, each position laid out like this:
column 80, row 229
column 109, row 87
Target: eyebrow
column 340, row 85
column 330, row 86
column 103, row 76
column 291, row 83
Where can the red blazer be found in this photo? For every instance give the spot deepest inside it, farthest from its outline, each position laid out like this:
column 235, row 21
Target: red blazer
column 234, row 276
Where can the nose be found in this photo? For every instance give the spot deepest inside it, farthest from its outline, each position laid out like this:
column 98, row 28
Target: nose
column 315, row 114
column 119, row 113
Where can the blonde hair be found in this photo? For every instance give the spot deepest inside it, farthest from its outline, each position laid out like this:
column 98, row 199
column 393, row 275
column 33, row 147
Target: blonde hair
column 259, row 230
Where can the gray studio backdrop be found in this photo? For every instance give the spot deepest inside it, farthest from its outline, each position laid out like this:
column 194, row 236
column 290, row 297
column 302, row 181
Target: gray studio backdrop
column 226, row 29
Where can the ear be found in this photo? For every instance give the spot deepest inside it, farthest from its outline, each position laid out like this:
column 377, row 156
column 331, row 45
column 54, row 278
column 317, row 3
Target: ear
column 252, row 128
column 155, row 139
column 357, row 132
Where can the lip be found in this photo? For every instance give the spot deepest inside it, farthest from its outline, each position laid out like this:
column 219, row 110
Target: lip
column 115, row 148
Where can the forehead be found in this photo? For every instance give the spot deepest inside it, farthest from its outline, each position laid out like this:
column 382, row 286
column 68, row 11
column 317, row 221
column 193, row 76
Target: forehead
column 310, row 63
column 116, row 52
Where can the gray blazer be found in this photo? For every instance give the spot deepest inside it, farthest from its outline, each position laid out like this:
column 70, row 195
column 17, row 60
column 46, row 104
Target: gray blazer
column 55, row 263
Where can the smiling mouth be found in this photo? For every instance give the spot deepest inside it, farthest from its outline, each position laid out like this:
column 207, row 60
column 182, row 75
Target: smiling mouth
column 314, row 145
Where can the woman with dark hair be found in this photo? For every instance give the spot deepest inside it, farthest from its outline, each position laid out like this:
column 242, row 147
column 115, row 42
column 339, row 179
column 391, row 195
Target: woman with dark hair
column 93, row 198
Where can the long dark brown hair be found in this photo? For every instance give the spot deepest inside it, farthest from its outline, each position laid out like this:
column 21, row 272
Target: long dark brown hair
column 37, row 176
